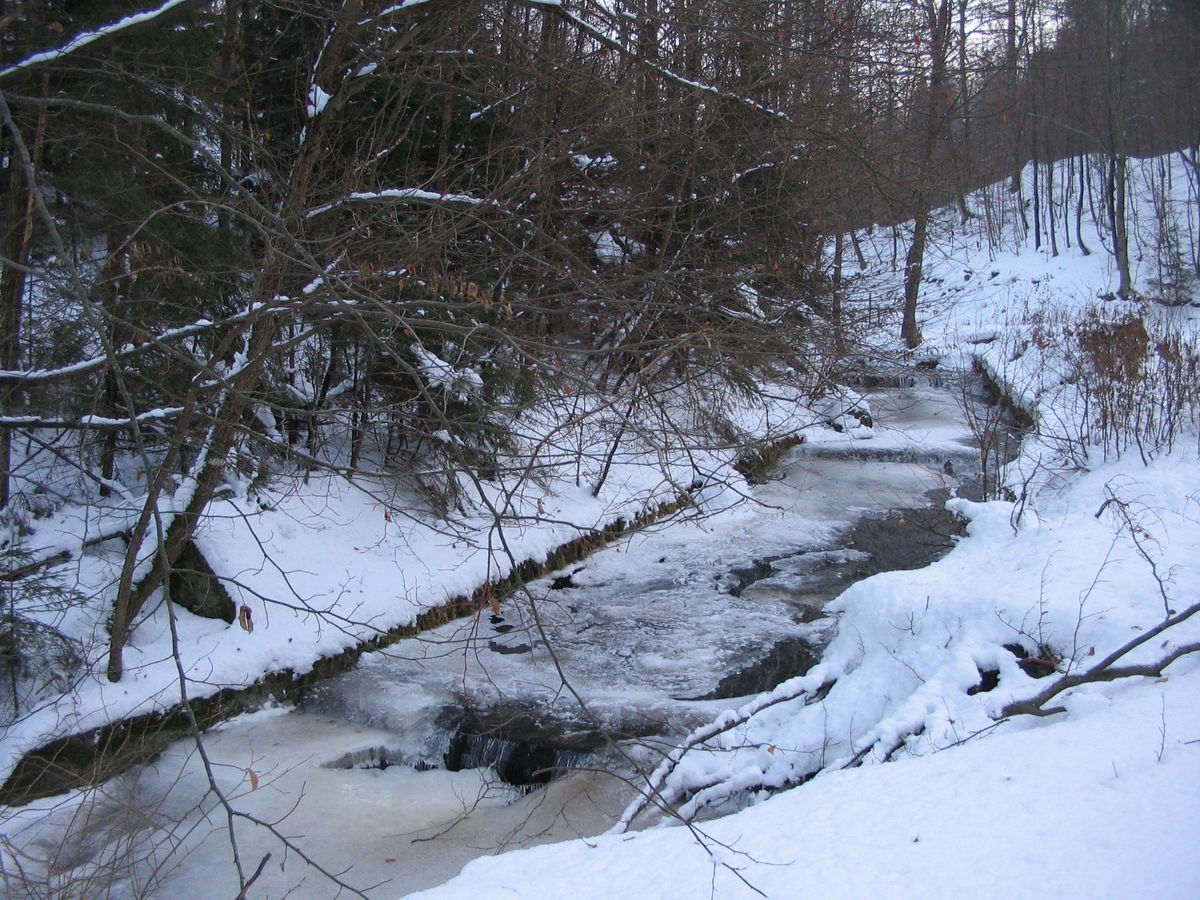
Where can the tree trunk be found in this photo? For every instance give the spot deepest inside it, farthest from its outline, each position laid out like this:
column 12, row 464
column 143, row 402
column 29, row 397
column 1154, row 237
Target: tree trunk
column 1116, row 39
column 1120, row 228
column 939, row 21
column 913, row 265
column 18, row 249
column 12, row 293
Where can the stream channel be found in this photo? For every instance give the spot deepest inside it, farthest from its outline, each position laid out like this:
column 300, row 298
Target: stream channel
column 404, row 768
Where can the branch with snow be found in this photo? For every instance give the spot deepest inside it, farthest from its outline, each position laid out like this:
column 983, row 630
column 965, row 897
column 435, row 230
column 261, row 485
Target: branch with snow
column 318, row 99
column 89, row 422
column 90, row 37
column 1105, row 670
column 145, row 344
column 663, row 71
column 402, row 195
column 440, row 374
column 812, row 687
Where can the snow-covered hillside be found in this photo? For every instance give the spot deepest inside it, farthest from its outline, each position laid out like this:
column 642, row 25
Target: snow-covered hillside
column 1098, row 546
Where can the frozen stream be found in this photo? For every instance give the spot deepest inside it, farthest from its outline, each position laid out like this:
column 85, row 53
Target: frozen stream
column 653, row 634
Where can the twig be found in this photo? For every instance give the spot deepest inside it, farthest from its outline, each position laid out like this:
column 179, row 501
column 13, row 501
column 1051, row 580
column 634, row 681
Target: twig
column 658, row 778
column 253, row 878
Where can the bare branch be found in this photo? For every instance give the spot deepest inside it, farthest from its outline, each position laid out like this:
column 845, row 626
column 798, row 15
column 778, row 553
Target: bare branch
column 1106, row 671
column 90, row 37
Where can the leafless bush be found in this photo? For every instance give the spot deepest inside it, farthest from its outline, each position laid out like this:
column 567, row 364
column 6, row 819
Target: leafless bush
column 1137, row 380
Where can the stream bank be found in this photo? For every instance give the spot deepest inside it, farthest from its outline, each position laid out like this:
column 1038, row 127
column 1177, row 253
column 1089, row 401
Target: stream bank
column 93, row 756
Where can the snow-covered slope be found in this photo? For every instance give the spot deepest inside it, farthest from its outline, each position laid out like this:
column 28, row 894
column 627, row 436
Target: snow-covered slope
column 1100, row 799
column 1099, row 805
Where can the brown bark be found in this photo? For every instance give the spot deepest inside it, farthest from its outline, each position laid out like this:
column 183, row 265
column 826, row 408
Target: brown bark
column 910, row 331
column 938, row 20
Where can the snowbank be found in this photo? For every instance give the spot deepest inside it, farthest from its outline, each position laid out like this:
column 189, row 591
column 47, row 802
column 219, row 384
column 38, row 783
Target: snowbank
column 1097, row 806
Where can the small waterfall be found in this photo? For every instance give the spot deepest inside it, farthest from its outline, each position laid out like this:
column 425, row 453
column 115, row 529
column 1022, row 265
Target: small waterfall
column 517, row 763
column 524, row 747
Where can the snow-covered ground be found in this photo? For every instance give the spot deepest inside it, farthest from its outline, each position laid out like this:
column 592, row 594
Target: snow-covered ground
column 326, row 564
column 1102, row 804
column 1101, row 800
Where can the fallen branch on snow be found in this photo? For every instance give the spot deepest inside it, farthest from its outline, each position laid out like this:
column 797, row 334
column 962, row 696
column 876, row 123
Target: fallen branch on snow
column 1106, row 671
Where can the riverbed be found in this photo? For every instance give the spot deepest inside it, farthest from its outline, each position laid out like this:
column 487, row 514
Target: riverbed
column 451, row 745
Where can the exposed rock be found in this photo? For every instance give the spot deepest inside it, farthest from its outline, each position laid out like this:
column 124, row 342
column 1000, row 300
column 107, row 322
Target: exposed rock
column 194, row 586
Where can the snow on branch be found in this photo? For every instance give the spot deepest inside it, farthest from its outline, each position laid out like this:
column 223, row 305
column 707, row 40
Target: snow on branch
column 318, row 99
column 395, row 8
column 90, row 37
column 405, row 5
column 404, row 195
column 91, row 364
column 813, row 687
column 439, row 373
column 1106, row 670
column 94, row 422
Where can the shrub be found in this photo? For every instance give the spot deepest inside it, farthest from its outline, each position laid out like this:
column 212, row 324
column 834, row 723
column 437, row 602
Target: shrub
column 1138, row 382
